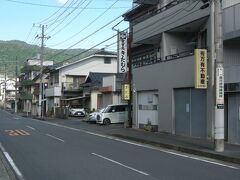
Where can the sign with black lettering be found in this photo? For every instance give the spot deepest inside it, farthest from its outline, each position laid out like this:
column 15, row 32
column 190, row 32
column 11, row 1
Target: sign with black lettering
column 200, row 68
column 122, row 52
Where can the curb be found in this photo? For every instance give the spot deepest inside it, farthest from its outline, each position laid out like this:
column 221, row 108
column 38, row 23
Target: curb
column 182, row 149
column 10, row 174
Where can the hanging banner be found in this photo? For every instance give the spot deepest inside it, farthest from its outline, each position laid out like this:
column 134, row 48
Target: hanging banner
column 126, row 92
column 122, row 52
column 200, row 68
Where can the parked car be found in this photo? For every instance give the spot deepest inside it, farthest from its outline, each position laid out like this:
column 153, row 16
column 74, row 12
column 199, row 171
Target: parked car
column 93, row 116
column 115, row 113
column 77, row 111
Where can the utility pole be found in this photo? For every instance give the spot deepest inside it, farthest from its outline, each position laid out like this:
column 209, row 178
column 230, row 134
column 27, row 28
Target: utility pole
column 5, row 85
column 219, row 78
column 130, row 78
column 42, row 37
column 16, row 85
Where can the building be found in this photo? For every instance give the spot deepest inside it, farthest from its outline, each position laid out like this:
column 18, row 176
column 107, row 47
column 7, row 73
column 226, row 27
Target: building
column 29, row 85
column 102, row 89
column 65, row 81
column 7, row 95
column 164, row 35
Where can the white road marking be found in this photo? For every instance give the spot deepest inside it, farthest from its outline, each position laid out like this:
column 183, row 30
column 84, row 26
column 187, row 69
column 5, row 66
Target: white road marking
column 120, row 164
column 203, row 159
column 11, row 162
column 17, row 118
column 54, row 137
column 31, row 128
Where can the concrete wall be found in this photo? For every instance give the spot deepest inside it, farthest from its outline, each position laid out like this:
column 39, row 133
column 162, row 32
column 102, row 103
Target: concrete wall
column 168, row 19
column 229, row 3
column 164, row 77
column 231, row 23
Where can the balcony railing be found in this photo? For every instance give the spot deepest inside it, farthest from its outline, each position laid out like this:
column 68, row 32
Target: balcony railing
column 153, row 11
column 26, row 83
column 25, row 96
column 145, row 60
column 179, row 55
column 69, row 86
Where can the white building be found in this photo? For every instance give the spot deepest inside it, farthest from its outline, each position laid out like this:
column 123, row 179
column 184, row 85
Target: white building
column 65, row 81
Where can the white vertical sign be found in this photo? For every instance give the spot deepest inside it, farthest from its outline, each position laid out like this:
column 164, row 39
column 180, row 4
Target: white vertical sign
column 219, row 87
column 122, row 52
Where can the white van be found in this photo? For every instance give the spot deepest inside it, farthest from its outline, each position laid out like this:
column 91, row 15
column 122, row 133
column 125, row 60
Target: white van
column 115, row 113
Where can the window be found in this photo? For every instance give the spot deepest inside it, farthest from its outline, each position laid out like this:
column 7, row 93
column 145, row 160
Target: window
column 107, row 60
column 121, row 108
column 56, row 78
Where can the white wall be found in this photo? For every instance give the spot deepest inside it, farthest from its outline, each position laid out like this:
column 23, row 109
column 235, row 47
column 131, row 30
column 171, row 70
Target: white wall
column 94, row 95
column 110, row 81
column 94, row 64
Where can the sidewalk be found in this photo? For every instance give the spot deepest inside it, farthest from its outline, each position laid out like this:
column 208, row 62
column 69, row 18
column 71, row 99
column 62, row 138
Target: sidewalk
column 5, row 172
column 179, row 143
column 189, row 145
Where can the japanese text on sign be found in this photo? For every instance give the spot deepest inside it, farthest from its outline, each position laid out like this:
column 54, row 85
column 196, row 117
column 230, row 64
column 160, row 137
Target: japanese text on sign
column 200, row 68
column 126, row 92
column 219, row 86
column 122, row 52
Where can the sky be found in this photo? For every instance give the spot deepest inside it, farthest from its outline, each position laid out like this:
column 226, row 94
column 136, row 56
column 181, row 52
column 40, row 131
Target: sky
column 67, row 23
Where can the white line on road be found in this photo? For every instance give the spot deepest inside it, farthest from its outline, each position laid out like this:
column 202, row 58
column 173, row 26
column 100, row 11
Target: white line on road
column 118, row 163
column 147, row 146
column 31, row 128
column 11, row 162
column 54, row 137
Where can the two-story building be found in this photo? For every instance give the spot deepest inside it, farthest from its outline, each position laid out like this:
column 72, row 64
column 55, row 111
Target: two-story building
column 164, row 36
column 65, row 81
column 29, row 85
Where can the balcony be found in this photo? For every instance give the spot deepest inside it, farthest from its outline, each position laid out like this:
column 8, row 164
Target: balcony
column 69, row 86
column 53, row 91
column 175, row 16
column 25, row 96
column 27, row 68
column 26, row 83
column 146, row 60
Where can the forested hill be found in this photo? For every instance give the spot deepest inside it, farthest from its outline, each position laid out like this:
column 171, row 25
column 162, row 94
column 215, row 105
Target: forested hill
column 9, row 50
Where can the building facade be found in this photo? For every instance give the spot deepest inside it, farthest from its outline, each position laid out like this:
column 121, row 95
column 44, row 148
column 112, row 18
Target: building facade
column 65, row 81
column 164, row 35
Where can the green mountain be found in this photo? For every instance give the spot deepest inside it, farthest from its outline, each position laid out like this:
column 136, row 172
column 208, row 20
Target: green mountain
column 9, row 50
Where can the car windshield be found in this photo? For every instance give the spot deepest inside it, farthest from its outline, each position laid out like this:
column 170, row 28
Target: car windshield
column 76, row 107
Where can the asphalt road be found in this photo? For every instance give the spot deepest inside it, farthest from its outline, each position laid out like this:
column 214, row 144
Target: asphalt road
column 44, row 151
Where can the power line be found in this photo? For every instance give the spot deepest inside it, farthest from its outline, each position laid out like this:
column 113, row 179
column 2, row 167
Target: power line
column 53, row 13
column 89, row 49
column 110, row 7
column 154, row 31
column 85, row 37
column 54, row 6
column 72, row 19
column 57, row 18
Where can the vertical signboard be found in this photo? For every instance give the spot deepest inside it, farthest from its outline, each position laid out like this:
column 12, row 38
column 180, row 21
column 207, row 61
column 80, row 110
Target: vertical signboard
column 220, row 87
column 200, row 68
column 125, row 92
column 122, row 52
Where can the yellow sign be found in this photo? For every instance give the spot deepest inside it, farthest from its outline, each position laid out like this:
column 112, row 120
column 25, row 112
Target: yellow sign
column 126, row 92
column 200, row 68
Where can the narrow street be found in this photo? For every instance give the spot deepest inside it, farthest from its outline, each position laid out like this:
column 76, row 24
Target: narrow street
column 41, row 150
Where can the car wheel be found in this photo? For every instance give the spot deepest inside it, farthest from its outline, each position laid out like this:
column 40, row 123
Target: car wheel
column 106, row 121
